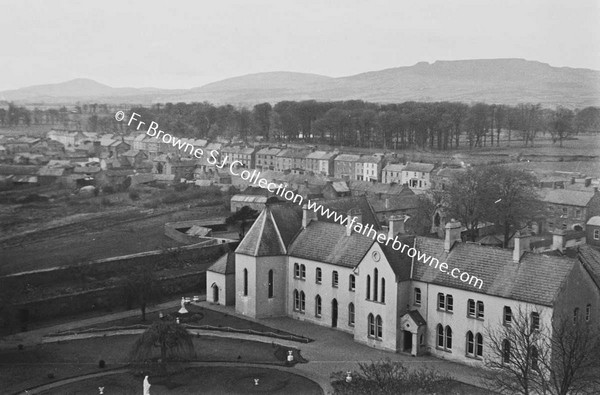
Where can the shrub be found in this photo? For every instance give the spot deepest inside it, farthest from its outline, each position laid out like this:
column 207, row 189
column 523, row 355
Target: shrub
column 101, row 364
column 134, row 194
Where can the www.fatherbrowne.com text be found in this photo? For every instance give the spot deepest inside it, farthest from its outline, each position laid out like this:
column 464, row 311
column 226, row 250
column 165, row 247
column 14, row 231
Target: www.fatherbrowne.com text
column 236, row 168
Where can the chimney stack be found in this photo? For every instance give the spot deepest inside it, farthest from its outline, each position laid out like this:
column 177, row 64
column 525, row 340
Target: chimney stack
column 353, row 213
column 558, row 239
column 521, row 245
column 396, row 225
column 307, row 216
column 453, row 230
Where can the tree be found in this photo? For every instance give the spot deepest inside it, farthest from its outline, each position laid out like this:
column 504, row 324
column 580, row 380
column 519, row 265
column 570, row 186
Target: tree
column 243, row 216
column 173, row 340
column 143, row 287
column 510, row 199
column 561, row 124
column 514, row 355
column 464, row 199
column 560, row 359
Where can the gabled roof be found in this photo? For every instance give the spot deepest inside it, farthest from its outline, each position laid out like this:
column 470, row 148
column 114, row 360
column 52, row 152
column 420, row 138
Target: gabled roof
column 340, row 186
column 344, row 204
column 394, row 167
column 535, row 279
column 224, row 265
column 568, row 197
column 590, row 258
column 395, row 203
column 421, row 167
column 268, row 151
column 271, row 233
column 347, row 158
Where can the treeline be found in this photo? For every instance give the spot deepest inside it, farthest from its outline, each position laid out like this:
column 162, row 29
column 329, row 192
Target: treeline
column 18, row 115
column 441, row 126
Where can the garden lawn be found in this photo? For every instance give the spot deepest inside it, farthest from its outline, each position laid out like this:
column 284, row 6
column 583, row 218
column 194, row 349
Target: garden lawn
column 30, row 367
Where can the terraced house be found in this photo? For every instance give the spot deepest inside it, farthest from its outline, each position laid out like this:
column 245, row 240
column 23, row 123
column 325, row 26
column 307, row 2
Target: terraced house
column 293, row 264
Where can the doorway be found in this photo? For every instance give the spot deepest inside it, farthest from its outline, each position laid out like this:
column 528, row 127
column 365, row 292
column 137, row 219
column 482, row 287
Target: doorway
column 408, row 341
column 215, row 293
column 334, row 313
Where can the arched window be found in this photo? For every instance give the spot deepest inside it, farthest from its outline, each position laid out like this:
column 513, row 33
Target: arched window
column 352, row 282
column 368, row 287
column 318, row 305
column 440, row 336
column 479, row 309
column 506, row 351
column 296, row 300
column 302, row 301
column 245, row 282
column 448, row 338
column 351, row 314
column 534, row 357
column 371, row 325
column 471, row 308
column 375, row 280
column 535, row 321
column 379, row 324
column 296, row 270
column 382, row 290
column 270, row 283
column 479, row 345
column 507, row 315
column 302, row 272
column 470, row 344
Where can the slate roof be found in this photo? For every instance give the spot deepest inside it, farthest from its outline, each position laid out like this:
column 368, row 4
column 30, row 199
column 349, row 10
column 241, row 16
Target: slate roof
column 272, row 232
column 536, row 279
column 590, row 258
column 347, row 158
column 394, row 167
column 340, row 186
column 568, row 197
column 395, row 203
column 327, row 242
column 268, row 151
column 417, row 317
column 51, row 171
column 594, row 221
column 224, row 265
column 421, row 167
column 344, row 204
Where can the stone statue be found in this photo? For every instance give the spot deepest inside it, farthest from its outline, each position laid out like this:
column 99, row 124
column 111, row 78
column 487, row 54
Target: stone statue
column 183, row 310
column 146, row 386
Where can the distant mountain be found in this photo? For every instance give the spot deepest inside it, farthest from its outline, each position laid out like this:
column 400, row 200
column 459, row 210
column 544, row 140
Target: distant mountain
column 506, row 81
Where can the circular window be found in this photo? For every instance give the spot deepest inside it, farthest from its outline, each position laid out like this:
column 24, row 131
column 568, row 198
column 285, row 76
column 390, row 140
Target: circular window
column 376, row 256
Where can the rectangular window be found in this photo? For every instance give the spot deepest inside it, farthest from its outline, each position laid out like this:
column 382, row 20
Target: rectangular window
column 449, row 303
column 578, row 213
column 588, row 312
column 441, row 302
column 479, row 309
column 596, row 234
column 507, row 315
column 535, row 321
column 471, row 308
column 319, row 276
column 334, row 279
column 565, row 211
column 418, row 296
column 352, row 282
column 302, row 272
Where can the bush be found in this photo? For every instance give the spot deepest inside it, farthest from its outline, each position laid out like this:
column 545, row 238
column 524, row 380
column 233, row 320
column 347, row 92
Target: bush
column 134, row 194
column 101, row 364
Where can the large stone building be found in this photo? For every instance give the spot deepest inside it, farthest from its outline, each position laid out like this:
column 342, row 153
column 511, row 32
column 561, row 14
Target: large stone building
column 292, row 264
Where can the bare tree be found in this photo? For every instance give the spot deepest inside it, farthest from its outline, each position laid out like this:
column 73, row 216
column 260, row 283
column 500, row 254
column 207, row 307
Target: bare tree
column 143, row 287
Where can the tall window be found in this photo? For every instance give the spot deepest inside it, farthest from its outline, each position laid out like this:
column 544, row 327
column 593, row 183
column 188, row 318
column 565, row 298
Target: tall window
column 440, row 336
column 375, row 281
column 441, row 302
column 368, row 287
column 319, row 276
column 534, row 357
column 535, row 321
column 302, row 301
column 371, row 325
column 245, row 282
column 444, row 337
column 588, row 312
column 351, row 314
column 296, row 300
column 418, row 296
column 506, row 351
column 471, row 308
column 449, row 303
column 479, row 309
column 296, row 270
column 382, row 290
column 334, row 279
column 379, row 324
column 318, row 306
column 507, row 315
column 302, row 272
column 596, row 234
column 270, row 283
column 479, row 344
column 448, row 337
column 575, row 314
column 470, row 344
column 352, row 282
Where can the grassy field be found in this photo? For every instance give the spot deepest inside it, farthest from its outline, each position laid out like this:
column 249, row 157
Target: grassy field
column 21, row 369
column 206, row 380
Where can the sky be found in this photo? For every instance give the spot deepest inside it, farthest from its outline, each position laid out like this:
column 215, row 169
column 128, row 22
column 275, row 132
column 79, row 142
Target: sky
column 186, row 44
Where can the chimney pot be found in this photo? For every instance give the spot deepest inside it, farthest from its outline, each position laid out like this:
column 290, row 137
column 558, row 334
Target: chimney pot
column 453, row 230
